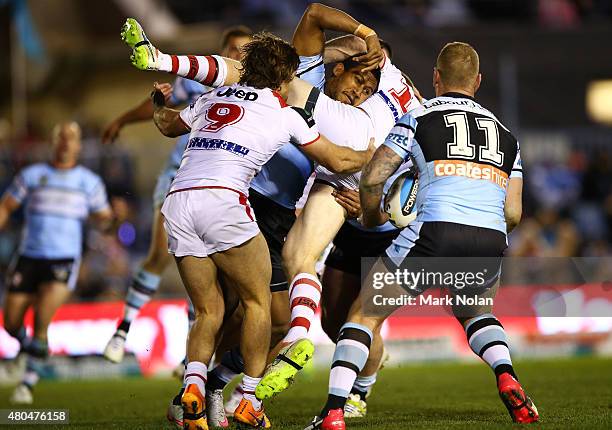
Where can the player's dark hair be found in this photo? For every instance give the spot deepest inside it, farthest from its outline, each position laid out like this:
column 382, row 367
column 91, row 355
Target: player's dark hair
column 350, row 63
column 235, row 31
column 387, row 47
column 268, row 62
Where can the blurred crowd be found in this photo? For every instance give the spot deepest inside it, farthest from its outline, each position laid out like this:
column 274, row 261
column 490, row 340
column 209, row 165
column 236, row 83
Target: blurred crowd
column 430, row 13
column 567, row 207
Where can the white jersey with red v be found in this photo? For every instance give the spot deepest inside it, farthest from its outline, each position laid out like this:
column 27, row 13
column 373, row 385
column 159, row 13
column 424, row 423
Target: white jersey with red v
column 235, row 130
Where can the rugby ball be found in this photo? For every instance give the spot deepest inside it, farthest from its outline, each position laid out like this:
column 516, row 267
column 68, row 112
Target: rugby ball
column 400, row 200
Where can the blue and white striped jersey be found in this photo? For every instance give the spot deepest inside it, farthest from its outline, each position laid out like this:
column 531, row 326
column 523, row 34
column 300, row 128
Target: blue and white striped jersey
column 57, row 201
column 465, row 158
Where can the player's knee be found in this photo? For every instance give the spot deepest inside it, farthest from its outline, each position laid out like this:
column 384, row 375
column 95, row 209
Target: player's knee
column 207, row 310
column 257, row 303
column 466, row 313
column 297, row 262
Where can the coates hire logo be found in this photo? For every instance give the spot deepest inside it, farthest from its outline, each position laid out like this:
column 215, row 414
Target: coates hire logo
column 471, row 170
column 203, row 143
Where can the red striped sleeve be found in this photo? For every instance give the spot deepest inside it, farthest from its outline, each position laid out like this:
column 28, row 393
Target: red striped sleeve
column 175, row 64
column 212, row 72
column 193, row 67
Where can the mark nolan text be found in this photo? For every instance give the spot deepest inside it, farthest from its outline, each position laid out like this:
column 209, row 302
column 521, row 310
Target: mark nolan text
column 407, row 300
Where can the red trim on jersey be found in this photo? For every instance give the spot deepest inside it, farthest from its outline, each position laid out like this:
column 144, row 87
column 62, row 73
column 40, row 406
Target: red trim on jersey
column 307, row 282
column 203, row 187
column 212, row 70
column 301, row 322
column 175, row 64
column 193, row 67
column 384, row 61
column 244, row 201
column 280, row 98
column 312, row 141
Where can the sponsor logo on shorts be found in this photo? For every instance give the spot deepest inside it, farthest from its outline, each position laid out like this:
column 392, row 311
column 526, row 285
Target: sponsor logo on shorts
column 61, row 273
column 203, row 143
column 471, row 170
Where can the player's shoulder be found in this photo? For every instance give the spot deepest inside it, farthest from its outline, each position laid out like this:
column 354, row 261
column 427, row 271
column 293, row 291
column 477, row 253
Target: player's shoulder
column 309, row 63
column 88, row 176
column 35, row 170
column 408, row 121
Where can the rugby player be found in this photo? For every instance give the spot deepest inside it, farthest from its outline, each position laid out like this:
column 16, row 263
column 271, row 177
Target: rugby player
column 146, row 280
column 322, row 217
column 234, row 131
column 273, row 195
column 469, row 199
column 58, row 197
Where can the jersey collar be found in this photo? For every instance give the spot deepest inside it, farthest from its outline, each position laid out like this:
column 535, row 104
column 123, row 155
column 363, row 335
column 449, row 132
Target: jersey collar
column 457, row 95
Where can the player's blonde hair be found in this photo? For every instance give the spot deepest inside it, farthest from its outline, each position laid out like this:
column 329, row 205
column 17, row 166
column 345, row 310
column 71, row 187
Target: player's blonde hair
column 458, row 65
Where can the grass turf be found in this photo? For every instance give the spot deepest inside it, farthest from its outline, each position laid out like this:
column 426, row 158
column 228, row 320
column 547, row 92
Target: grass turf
column 569, row 393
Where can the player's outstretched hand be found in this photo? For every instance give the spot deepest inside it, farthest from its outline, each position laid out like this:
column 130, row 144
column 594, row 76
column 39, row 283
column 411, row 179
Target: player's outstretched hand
column 166, row 90
column 374, row 56
column 349, row 200
column 161, row 94
column 110, row 133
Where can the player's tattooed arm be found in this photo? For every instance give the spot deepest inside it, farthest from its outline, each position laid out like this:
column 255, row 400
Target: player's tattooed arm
column 380, row 168
column 309, row 36
column 167, row 120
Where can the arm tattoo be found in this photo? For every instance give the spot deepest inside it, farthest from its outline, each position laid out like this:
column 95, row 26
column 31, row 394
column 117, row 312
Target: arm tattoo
column 380, row 168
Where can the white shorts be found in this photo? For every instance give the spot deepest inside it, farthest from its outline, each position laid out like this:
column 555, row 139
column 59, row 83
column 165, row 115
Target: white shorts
column 205, row 220
column 336, row 180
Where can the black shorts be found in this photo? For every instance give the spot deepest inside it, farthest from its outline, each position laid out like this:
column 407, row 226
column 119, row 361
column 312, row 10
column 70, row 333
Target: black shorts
column 274, row 221
column 450, row 247
column 27, row 273
column 352, row 243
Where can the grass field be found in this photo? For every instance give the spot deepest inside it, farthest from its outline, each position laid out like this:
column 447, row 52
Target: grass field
column 569, row 393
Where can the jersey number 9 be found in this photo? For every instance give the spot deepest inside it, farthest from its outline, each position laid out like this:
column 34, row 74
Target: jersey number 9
column 220, row 115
